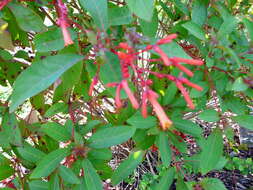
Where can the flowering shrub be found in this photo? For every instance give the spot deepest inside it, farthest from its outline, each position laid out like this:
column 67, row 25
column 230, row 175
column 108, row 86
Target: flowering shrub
column 88, row 76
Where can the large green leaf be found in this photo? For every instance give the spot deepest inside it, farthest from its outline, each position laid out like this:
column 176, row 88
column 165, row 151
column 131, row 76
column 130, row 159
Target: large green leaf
column 195, row 30
column 54, row 182
column 142, row 8
column 212, row 149
column 26, row 18
column 6, row 171
column 111, row 136
column 244, row 121
column 249, row 26
column 138, row 121
column 227, row 27
column 188, row 127
column 209, row 115
column 199, row 12
column 164, row 148
column 149, row 28
column 39, row 76
column 212, row 184
column 38, row 185
column 56, row 131
column 98, row 11
column 127, row 167
column 91, row 178
column 68, row 175
column 30, row 153
column 119, row 16
column 166, row 179
column 49, row 163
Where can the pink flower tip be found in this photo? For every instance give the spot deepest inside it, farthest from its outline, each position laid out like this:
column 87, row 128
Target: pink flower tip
column 163, row 55
column 167, row 39
column 188, row 61
column 164, row 120
column 66, row 36
column 130, row 95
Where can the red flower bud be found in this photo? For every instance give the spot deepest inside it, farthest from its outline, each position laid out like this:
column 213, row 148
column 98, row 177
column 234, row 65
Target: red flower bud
column 167, row 39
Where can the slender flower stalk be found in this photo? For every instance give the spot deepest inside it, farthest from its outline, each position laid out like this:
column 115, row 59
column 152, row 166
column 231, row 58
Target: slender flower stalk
column 130, row 95
column 93, row 83
column 164, row 120
column 163, row 55
column 63, row 22
column 144, row 111
column 185, row 94
column 188, row 61
column 117, row 96
column 167, row 39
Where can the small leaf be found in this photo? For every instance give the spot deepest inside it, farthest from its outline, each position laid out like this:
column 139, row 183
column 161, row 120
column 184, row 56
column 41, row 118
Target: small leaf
column 195, row 30
column 141, row 8
column 111, row 136
column 98, row 11
column 149, row 28
column 244, row 121
column 56, row 131
column 59, row 107
column 26, row 18
column 68, row 175
column 54, row 182
column 30, row 153
column 127, row 167
column 39, row 76
column 91, row 178
column 138, row 121
column 170, row 94
column 212, row 149
column 227, row 27
column 49, row 163
column 209, row 115
column 6, row 171
column 166, row 179
column 188, row 127
column 239, row 85
column 212, row 184
column 199, row 12
column 119, row 16
column 164, row 148
column 38, row 185
column 181, row 185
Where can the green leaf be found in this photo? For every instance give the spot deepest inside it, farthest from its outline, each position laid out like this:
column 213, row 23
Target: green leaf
column 100, row 154
column 181, row 185
column 212, row 149
column 149, row 28
column 54, row 182
column 68, row 175
column 91, row 178
column 38, row 185
column 164, row 148
column 26, row 18
column 89, row 126
column 59, row 107
column 141, row 8
column 244, row 121
column 187, row 126
column 50, row 40
column 56, row 131
column 119, row 16
column 111, row 136
column 127, row 167
column 199, row 12
column 170, row 93
column 6, row 171
column 138, row 121
column 209, row 115
column 212, row 184
column 227, row 27
column 30, row 153
column 174, row 49
column 166, row 179
column 195, row 30
column 39, row 76
column 249, row 26
column 98, row 11
column 49, row 163
column 239, row 85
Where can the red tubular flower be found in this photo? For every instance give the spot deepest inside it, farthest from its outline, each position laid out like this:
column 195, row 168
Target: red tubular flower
column 93, row 83
column 188, row 61
column 163, row 55
column 144, row 104
column 130, row 95
column 185, row 94
column 164, row 120
column 4, row 3
column 183, row 68
column 117, row 96
column 187, row 82
column 63, row 22
column 167, row 39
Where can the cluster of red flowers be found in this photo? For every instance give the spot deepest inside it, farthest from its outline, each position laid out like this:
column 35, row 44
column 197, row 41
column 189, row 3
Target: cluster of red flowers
column 128, row 59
